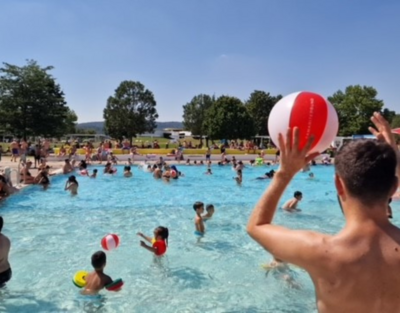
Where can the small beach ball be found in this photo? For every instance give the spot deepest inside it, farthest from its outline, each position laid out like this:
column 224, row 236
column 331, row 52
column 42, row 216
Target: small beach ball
column 110, row 242
column 311, row 113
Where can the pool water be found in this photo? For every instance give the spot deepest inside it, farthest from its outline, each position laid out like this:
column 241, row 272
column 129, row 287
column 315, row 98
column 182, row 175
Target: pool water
column 54, row 235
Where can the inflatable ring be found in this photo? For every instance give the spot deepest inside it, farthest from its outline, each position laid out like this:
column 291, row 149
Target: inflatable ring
column 79, row 279
column 115, row 285
column 259, row 161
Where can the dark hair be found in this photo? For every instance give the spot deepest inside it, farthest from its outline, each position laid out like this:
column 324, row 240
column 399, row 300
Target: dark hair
column 3, row 179
column 1, row 223
column 127, row 168
column 99, row 259
column 95, row 170
column 367, row 168
column 297, row 194
column 163, row 232
column 209, row 206
column 72, row 179
column 198, row 205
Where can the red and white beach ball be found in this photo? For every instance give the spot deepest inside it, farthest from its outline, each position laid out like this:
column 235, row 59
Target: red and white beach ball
column 311, row 113
column 110, row 242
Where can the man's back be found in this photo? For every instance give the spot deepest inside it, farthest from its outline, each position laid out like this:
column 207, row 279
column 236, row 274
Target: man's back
column 358, row 270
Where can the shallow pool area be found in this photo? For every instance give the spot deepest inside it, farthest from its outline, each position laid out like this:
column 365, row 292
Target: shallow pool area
column 53, row 235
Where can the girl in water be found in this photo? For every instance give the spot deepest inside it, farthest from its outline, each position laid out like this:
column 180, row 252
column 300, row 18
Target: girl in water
column 159, row 242
column 72, row 185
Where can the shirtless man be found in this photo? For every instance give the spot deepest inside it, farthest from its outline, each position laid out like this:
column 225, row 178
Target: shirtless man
column 356, row 270
column 67, row 168
column 14, row 150
column 5, row 244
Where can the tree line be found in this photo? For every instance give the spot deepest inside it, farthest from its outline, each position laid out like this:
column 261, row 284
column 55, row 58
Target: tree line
column 32, row 103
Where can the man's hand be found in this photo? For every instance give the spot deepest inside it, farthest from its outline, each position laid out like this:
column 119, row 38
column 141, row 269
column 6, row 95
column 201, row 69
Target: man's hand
column 382, row 130
column 293, row 158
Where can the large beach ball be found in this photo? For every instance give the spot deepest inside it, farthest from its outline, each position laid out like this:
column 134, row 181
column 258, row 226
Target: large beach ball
column 311, row 113
column 110, row 242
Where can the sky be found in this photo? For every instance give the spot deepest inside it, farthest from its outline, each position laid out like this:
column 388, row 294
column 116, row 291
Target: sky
column 181, row 48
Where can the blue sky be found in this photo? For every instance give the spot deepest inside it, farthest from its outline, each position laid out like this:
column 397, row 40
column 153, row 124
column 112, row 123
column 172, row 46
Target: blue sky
column 178, row 49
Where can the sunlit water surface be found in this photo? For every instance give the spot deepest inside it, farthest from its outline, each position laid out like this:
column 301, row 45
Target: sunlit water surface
column 53, row 235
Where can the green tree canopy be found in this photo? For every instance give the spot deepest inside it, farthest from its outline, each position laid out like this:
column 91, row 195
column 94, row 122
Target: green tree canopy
column 31, row 103
column 131, row 111
column 70, row 122
column 228, row 118
column 355, row 107
column 194, row 113
column 395, row 123
column 259, row 106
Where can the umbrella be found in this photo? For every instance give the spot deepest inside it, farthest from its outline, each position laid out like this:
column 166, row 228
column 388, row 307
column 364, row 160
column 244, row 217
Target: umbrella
column 396, row 131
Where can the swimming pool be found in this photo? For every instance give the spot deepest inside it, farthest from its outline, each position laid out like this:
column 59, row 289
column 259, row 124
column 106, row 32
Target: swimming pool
column 53, row 235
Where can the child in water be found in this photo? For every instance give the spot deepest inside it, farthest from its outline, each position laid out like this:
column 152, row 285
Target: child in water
column 281, row 270
column 72, row 185
column 127, row 171
column 210, row 212
column 198, row 220
column 94, row 175
column 97, row 280
column 159, row 242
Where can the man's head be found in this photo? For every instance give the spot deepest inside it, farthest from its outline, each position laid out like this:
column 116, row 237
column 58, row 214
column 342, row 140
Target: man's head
column 298, row 195
column 366, row 170
column 99, row 260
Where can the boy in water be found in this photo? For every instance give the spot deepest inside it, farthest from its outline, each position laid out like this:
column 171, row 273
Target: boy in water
column 198, row 220
column 97, row 280
column 94, row 175
column 210, row 212
column 127, row 171
column 291, row 205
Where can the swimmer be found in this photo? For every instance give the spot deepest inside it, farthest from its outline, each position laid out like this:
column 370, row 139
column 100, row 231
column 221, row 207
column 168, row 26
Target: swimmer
column 97, row 280
column 209, row 172
column 72, row 185
column 108, row 169
column 311, row 175
column 291, row 205
column 157, row 173
column 198, row 220
column 267, row 175
column 159, row 243
column 239, row 177
column 94, row 175
column 5, row 268
column 127, row 171
column 281, row 270
column 210, row 212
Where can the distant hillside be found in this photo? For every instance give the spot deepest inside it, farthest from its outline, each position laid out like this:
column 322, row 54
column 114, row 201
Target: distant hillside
column 99, row 126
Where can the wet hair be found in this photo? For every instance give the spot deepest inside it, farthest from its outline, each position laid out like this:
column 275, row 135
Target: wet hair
column 209, row 207
column 368, row 169
column 72, row 179
column 197, row 205
column 95, row 170
column 127, row 168
column 297, row 194
column 1, row 223
column 163, row 232
column 99, row 259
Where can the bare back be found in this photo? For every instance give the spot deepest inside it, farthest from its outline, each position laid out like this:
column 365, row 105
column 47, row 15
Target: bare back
column 4, row 251
column 358, row 271
column 96, row 281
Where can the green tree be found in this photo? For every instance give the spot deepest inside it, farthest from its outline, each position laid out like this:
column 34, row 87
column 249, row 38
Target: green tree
column 194, row 114
column 355, row 107
column 31, row 102
column 259, row 106
column 131, row 111
column 71, row 119
column 395, row 123
column 228, row 118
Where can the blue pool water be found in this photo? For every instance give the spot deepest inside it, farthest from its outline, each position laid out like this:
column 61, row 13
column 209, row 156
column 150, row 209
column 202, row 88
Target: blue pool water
column 53, row 235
